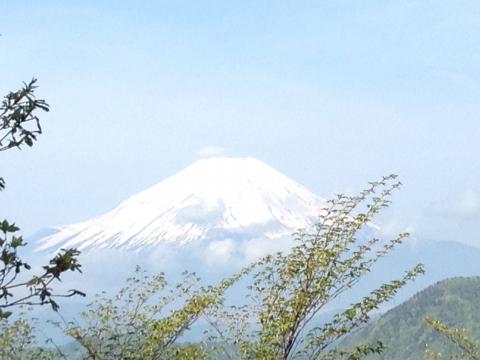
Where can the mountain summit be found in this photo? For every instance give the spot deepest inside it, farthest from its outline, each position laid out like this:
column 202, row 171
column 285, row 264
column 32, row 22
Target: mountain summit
column 212, row 199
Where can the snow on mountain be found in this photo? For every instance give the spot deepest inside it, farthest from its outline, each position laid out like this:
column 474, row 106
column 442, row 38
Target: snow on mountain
column 219, row 200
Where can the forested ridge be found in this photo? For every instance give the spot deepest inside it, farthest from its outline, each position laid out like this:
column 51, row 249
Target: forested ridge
column 404, row 331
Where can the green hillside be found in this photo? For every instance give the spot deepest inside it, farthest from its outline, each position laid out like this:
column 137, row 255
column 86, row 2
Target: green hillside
column 403, row 330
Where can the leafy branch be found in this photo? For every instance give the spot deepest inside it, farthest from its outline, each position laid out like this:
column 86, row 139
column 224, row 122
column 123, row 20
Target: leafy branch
column 38, row 288
column 457, row 337
column 289, row 290
column 19, row 124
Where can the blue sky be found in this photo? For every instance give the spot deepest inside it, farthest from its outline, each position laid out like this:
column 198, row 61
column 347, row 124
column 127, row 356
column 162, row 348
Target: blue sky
column 333, row 94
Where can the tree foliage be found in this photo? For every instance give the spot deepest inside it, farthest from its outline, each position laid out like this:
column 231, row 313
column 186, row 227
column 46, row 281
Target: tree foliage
column 146, row 319
column 35, row 290
column 19, row 342
column 19, row 123
column 289, row 290
column 19, row 126
column 464, row 347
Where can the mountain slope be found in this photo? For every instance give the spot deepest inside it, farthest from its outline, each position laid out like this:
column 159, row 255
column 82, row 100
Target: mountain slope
column 453, row 301
column 214, row 198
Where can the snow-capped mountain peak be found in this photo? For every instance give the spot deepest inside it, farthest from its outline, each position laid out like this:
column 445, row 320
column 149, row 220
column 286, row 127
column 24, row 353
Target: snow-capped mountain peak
column 212, row 199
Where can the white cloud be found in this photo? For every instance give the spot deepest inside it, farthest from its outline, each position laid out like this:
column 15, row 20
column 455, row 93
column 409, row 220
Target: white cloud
column 236, row 253
column 254, row 249
column 209, row 151
column 220, row 251
column 390, row 228
column 462, row 206
column 468, row 204
column 453, row 217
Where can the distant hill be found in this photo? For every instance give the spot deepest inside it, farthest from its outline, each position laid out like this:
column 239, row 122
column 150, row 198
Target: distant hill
column 454, row 301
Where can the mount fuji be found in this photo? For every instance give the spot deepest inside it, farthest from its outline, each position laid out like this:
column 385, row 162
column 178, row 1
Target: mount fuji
column 221, row 202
